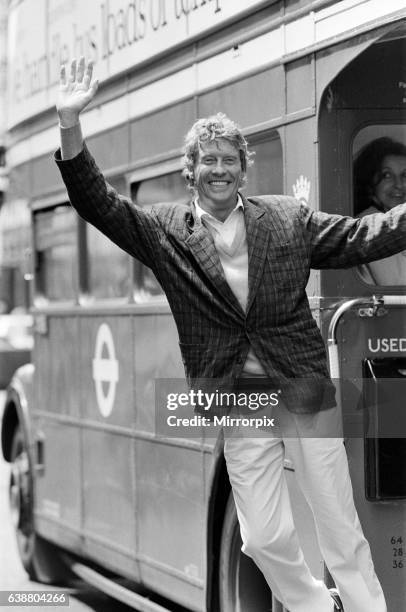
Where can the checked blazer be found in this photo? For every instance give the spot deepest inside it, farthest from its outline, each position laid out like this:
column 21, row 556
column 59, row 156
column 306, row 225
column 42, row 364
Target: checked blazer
column 285, row 239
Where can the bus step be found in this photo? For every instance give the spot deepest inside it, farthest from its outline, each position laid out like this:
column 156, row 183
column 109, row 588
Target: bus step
column 111, row 588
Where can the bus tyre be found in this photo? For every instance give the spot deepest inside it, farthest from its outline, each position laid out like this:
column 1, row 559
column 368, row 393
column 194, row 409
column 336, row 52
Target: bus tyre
column 39, row 558
column 241, row 584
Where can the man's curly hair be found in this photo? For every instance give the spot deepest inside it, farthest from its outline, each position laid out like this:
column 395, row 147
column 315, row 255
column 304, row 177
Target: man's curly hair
column 210, row 129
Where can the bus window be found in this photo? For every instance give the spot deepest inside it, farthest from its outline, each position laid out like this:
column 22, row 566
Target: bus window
column 15, row 244
column 266, row 174
column 166, row 189
column 109, row 271
column 55, row 233
column 379, row 184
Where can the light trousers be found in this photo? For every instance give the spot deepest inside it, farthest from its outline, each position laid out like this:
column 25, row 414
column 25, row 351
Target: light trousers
column 255, row 466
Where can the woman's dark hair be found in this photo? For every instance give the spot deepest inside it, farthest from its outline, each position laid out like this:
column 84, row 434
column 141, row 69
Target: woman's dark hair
column 367, row 166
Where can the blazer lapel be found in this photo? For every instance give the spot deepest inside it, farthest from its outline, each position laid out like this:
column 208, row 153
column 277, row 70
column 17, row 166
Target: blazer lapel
column 257, row 239
column 202, row 247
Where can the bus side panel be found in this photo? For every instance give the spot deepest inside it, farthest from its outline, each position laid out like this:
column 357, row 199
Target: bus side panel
column 45, row 173
column 156, row 356
column 171, row 520
column 58, row 498
column 383, row 522
column 161, row 131
column 237, row 99
column 301, row 175
column 384, row 526
column 300, row 78
column 108, row 413
column 20, row 181
column 353, row 114
column 170, row 496
column 117, row 153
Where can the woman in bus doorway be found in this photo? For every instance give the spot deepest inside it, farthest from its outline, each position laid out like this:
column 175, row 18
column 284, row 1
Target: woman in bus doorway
column 380, row 184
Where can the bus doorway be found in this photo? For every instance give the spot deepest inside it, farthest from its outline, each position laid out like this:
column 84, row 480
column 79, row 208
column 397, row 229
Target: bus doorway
column 363, row 312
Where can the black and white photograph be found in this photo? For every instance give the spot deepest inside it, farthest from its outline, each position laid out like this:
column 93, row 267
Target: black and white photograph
column 203, row 305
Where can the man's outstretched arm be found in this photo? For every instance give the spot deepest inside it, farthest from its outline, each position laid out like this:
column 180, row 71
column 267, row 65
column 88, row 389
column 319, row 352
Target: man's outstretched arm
column 75, row 93
column 342, row 242
column 131, row 228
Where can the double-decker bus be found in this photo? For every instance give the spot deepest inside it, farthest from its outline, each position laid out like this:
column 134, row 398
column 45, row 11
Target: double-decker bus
column 93, row 483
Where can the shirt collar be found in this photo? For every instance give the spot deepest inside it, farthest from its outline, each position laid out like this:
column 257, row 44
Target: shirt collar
column 200, row 212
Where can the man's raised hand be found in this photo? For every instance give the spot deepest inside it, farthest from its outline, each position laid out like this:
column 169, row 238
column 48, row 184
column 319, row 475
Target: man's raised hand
column 75, row 91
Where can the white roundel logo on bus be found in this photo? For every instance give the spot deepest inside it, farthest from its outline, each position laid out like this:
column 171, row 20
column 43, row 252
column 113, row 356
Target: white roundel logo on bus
column 105, row 369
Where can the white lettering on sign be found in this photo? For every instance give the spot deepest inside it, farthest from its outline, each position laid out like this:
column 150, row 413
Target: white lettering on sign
column 117, row 35
column 105, row 369
column 387, row 345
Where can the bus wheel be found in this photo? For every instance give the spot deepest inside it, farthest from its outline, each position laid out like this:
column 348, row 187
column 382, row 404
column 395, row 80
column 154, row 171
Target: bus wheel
column 38, row 557
column 241, row 584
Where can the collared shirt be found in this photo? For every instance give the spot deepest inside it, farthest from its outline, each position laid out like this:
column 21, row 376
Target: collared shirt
column 231, row 244
column 230, row 239
column 227, row 230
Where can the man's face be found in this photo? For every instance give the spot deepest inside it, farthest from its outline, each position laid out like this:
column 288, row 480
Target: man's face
column 390, row 190
column 218, row 175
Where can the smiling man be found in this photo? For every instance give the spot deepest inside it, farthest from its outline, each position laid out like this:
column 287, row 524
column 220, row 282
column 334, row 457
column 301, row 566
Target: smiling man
column 235, row 271
column 217, row 174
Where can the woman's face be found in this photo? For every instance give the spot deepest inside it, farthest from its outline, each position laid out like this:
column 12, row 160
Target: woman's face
column 390, row 182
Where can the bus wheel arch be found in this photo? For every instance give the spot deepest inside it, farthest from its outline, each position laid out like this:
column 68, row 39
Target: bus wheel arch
column 39, row 557
column 9, row 425
column 17, row 408
column 220, row 490
column 234, row 580
column 242, row 584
